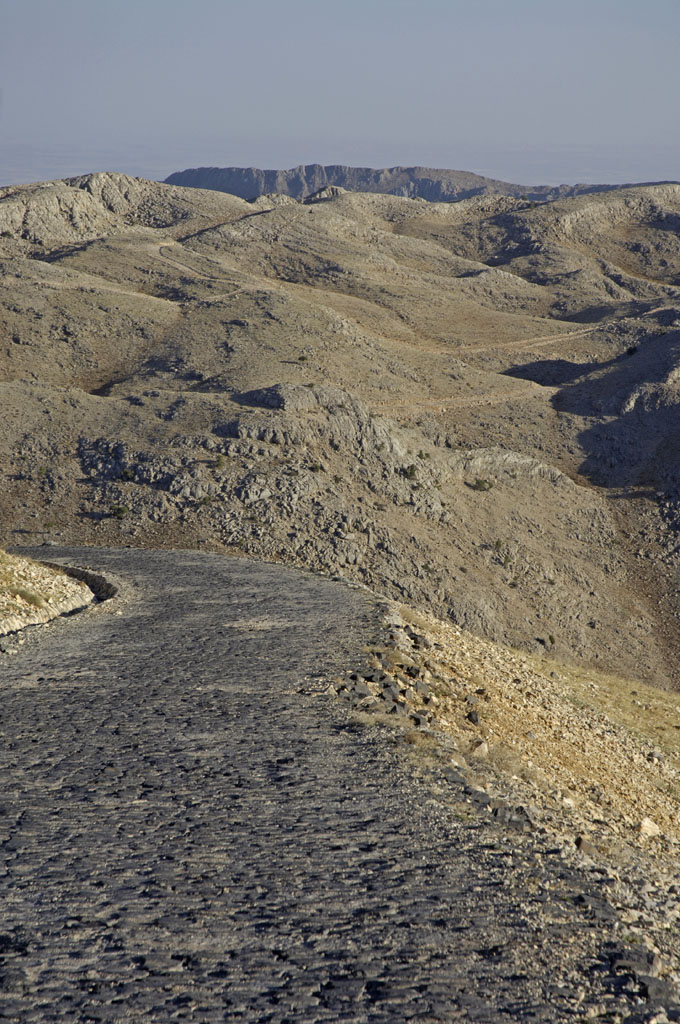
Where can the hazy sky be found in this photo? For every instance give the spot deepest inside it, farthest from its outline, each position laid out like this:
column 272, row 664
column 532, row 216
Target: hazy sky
column 533, row 91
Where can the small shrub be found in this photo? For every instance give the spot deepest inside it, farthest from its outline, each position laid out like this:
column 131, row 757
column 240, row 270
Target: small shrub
column 30, row 597
column 481, row 484
column 302, row 359
column 219, row 461
column 410, row 471
column 118, row 511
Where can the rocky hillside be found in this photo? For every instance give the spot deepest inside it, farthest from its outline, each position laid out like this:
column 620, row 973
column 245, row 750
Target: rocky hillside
column 470, row 407
column 435, row 185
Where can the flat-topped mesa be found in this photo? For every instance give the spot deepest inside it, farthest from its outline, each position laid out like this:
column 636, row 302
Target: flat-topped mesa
column 433, row 184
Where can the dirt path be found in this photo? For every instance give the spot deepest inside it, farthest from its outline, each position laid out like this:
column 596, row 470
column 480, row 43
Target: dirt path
column 499, row 397
column 525, row 343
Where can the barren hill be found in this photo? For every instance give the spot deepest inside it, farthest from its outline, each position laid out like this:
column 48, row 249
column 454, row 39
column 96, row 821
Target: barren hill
column 435, row 185
column 471, row 407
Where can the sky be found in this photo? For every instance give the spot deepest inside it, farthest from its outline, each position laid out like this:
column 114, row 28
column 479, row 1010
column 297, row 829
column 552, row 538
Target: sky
column 530, row 91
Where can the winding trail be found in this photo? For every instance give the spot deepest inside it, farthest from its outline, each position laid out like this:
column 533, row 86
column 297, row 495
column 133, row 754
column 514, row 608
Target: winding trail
column 497, row 397
column 528, row 343
column 194, row 830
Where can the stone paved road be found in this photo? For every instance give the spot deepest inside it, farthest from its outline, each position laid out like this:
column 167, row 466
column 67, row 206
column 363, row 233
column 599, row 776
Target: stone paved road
column 191, row 831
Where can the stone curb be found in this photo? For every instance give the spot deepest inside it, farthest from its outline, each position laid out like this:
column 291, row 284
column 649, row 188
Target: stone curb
column 13, row 623
column 97, row 587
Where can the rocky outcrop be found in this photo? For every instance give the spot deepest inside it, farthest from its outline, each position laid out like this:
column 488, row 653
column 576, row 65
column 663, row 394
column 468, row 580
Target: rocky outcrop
column 32, row 593
column 91, row 206
column 429, row 183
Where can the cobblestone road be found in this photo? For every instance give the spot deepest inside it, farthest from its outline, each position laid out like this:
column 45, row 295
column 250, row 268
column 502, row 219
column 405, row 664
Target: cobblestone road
column 191, row 831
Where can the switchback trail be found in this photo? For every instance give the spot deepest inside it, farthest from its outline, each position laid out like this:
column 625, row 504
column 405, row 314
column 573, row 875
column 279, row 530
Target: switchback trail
column 194, row 830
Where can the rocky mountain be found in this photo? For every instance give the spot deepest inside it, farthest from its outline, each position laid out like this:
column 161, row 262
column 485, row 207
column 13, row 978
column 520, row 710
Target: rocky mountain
column 435, row 185
column 471, row 406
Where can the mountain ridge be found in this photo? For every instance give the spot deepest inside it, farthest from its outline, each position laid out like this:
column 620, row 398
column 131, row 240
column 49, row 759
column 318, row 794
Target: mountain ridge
column 413, row 182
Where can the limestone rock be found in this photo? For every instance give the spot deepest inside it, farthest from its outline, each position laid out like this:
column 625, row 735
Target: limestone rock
column 648, row 828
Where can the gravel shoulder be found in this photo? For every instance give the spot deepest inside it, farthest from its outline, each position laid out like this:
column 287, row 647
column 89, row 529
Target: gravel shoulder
column 195, row 828
column 586, row 758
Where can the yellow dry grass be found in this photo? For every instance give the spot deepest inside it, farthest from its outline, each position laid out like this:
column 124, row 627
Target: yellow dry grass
column 610, row 745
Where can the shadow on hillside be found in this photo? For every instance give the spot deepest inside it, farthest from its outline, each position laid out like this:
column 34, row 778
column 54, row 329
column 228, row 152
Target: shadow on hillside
column 63, row 252
column 549, row 372
column 603, row 312
column 631, row 428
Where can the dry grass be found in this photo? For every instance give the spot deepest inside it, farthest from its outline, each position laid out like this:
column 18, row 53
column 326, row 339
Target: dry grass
column 29, row 596
column 608, row 744
column 643, row 710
